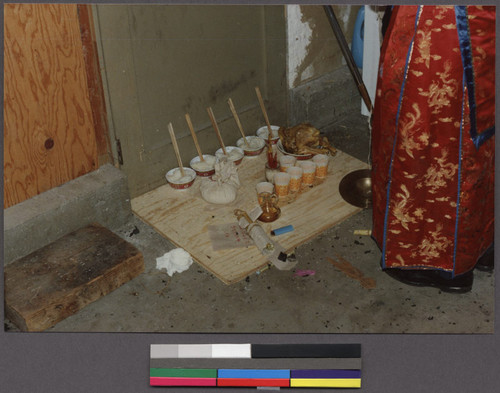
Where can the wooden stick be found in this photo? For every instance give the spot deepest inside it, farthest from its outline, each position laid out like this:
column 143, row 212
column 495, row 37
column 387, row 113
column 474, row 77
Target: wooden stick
column 261, row 102
column 176, row 148
column 216, row 127
column 237, row 119
column 195, row 139
column 271, row 157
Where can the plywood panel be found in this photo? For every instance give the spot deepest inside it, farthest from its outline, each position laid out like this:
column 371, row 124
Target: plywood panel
column 183, row 216
column 48, row 127
column 94, row 83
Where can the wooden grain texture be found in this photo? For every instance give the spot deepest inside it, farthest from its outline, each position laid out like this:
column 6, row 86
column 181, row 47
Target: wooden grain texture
column 48, row 127
column 94, row 83
column 183, row 216
column 61, row 278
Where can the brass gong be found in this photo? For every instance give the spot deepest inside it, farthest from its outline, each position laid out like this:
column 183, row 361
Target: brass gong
column 356, row 188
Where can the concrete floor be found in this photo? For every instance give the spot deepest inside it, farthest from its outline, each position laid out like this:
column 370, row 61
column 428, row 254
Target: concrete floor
column 326, row 301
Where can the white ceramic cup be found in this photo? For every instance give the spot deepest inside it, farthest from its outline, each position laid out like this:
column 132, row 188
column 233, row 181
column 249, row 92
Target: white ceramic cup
column 321, row 161
column 264, row 186
column 282, row 183
column 286, row 162
column 295, row 173
column 309, row 172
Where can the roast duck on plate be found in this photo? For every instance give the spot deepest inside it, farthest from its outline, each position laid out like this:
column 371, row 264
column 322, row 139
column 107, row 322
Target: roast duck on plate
column 304, row 139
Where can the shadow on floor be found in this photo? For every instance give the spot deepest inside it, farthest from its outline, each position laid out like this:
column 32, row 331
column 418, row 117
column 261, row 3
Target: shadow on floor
column 316, row 297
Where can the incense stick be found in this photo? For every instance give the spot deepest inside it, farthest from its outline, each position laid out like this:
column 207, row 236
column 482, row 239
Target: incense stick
column 216, row 127
column 176, row 148
column 237, row 119
column 263, row 108
column 195, row 139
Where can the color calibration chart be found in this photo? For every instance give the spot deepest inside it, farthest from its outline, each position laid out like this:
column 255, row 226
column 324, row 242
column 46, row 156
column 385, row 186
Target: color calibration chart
column 256, row 365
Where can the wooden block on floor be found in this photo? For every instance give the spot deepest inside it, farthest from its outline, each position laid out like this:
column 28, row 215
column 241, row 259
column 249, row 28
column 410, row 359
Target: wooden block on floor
column 56, row 281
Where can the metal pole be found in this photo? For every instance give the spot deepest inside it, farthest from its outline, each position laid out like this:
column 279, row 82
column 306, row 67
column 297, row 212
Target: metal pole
column 348, row 56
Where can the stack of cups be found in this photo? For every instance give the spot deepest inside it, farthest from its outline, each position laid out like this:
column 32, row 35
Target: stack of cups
column 286, row 162
column 295, row 173
column 321, row 161
column 308, row 172
column 282, row 184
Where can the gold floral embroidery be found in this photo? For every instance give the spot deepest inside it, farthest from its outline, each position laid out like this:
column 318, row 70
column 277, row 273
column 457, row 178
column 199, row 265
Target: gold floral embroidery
column 409, row 176
column 437, row 176
column 424, row 138
column 402, row 208
column 440, row 91
column 434, row 244
column 409, row 129
column 480, row 33
column 419, row 212
column 482, row 54
column 424, row 48
column 441, row 11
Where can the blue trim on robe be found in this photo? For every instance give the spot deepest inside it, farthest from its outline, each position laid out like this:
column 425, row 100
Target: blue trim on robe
column 457, row 213
column 478, row 138
column 386, row 217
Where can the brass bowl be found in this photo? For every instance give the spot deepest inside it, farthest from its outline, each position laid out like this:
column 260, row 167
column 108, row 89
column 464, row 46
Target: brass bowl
column 356, row 188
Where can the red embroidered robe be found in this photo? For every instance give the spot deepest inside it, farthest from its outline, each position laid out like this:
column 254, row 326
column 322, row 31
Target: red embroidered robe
column 433, row 138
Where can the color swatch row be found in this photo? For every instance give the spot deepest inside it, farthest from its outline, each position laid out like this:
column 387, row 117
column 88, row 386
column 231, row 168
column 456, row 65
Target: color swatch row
column 256, row 365
column 256, row 377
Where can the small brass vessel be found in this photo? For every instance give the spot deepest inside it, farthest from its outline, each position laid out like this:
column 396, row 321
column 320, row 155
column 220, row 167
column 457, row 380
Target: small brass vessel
column 356, row 188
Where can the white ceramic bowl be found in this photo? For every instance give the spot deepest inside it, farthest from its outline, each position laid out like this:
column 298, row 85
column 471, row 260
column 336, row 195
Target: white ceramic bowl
column 180, row 183
column 203, row 170
column 263, row 133
column 256, row 145
column 234, row 154
column 297, row 156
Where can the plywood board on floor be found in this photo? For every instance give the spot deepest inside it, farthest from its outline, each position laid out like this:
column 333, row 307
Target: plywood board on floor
column 58, row 280
column 182, row 216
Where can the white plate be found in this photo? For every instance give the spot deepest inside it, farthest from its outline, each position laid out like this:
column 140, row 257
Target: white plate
column 298, row 156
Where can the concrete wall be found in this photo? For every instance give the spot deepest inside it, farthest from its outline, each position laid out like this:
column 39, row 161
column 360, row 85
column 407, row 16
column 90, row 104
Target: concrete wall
column 320, row 88
column 100, row 196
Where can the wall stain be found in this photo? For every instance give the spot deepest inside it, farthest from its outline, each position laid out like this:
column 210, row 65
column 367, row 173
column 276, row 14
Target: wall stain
column 224, row 88
column 188, row 104
column 323, row 53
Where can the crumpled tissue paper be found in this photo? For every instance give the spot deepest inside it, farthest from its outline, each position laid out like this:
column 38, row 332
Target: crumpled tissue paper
column 174, row 261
